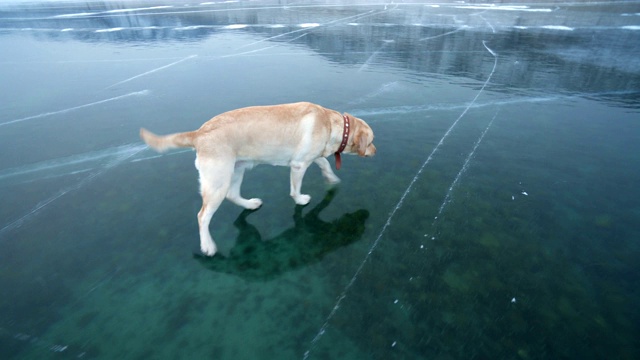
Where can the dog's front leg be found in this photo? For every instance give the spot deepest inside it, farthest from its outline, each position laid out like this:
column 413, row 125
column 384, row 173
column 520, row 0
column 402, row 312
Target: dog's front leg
column 298, row 169
column 328, row 174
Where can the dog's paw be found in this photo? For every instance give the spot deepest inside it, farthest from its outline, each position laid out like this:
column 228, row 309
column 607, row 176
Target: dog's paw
column 208, row 248
column 332, row 180
column 249, row 204
column 302, row 199
column 253, row 204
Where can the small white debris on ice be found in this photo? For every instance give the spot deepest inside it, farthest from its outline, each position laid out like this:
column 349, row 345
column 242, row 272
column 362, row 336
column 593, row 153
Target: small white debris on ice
column 513, row 301
column 59, row 348
column 394, row 344
column 525, row 193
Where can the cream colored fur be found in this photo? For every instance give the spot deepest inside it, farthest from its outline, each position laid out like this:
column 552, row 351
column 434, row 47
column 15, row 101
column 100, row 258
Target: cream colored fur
column 293, row 135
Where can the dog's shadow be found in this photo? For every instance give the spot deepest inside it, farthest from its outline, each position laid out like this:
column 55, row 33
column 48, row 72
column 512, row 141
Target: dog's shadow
column 307, row 242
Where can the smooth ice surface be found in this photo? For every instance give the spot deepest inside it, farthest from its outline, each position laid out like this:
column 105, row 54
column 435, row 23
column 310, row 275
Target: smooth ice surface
column 499, row 218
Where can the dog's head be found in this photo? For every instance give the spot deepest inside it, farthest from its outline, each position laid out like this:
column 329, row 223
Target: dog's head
column 361, row 139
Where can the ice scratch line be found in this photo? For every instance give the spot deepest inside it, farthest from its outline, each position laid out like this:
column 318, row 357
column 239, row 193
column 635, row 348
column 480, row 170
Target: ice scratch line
column 33, row 340
column 261, row 49
column 137, row 93
column 272, row 37
column 445, row 34
column 54, row 176
column 79, row 61
column 108, row 12
column 357, row 16
column 68, row 161
column 103, row 281
column 493, row 30
column 373, row 56
column 134, row 149
column 152, row 71
column 383, row 89
column 451, row 107
column 346, row 289
column 77, row 165
column 464, row 168
column 191, row 11
column 445, row 107
column 162, row 155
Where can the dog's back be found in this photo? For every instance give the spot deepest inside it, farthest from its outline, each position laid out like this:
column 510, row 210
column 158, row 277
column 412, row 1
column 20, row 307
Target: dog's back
column 266, row 134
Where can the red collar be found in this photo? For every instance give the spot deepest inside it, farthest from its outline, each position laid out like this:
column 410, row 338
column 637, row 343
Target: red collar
column 343, row 144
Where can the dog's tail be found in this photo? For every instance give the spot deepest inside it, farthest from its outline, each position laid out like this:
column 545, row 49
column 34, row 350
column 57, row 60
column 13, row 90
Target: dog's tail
column 164, row 143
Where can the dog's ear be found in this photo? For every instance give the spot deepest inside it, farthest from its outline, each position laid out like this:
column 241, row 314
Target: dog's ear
column 361, row 141
column 359, row 136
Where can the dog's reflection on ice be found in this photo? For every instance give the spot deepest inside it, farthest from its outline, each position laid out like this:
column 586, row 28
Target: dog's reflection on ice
column 255, row 258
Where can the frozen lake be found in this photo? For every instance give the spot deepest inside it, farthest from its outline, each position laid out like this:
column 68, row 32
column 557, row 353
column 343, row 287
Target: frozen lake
column 499, row 219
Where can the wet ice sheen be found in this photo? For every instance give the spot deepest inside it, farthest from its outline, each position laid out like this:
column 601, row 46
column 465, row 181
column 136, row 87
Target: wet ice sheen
column 496, row 221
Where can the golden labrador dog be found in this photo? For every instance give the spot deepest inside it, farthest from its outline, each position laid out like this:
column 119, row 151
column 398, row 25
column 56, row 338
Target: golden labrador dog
column 293, row 135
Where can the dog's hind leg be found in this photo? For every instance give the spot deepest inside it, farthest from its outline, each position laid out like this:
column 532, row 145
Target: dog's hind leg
column 234, row 190
column 298, row 168
column 328, row 174
column 215, row 179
